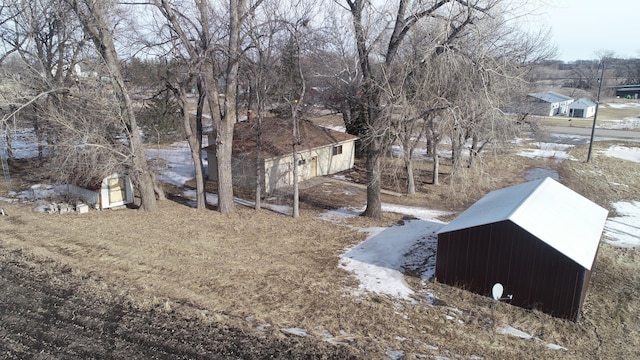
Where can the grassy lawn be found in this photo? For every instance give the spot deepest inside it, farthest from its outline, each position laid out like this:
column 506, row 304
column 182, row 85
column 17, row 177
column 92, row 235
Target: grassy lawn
column 257, row 267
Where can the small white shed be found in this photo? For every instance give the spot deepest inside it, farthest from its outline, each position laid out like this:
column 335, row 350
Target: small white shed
column 582, row 108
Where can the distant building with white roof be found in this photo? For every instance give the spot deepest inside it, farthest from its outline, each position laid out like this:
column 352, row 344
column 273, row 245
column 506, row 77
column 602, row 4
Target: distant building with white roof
column 582, row 108
column 548, row 103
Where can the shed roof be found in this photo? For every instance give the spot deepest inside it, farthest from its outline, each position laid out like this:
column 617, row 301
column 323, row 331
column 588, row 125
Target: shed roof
column 550, row 97
column 637, row 88
column 582, row 103
column 555, row 214
column 277, row 137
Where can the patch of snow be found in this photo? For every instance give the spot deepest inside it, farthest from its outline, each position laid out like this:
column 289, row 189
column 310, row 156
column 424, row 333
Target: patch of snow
column 623, row 152
column 623, row 106
column 379, row 261
column 335, row 128
column 556, row 347
column 337, row 215
column 178, row 166
column 624, row 230
column 421, row 213
column 548, row 151
column 37, row 193
column 511, row 331
column 341, row 177
column 295, row 331
column 629, row 123
column 24, row 143
column 395, row 354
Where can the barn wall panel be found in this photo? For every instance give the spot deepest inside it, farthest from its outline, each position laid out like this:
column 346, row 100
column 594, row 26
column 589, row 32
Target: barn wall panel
column 537, row 275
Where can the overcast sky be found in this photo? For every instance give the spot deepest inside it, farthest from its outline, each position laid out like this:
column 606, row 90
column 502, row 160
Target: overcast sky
column 582, row 27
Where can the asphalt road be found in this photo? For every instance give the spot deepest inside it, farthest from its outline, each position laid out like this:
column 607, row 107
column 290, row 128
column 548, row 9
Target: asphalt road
column 600, row 134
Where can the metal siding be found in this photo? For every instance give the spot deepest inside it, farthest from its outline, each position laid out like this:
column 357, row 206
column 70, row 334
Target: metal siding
column 537, row 275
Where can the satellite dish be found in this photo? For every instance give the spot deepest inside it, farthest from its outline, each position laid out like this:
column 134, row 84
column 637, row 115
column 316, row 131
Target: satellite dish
column 497, row 291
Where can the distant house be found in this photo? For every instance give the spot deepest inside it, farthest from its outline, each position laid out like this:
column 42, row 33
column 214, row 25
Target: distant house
column 582, row 108
column 539, row 239
column 321, row 151
column 548, row 103
column 628, row 91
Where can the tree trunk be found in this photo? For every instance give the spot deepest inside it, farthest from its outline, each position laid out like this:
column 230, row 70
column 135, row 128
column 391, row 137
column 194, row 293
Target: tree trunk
column 157, row 188
column 296, row 200
column 225, row 181
column 473, row 152
column 457, row 143
column 39, row 135
column 8, row 141
column 436, row 168
column 372, row 165
column 194, row 145
column 259, row 164
column 227, row 122
column 411, row 182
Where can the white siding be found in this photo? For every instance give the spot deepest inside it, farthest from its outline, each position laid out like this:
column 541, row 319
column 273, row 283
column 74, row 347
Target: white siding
column 279, row 170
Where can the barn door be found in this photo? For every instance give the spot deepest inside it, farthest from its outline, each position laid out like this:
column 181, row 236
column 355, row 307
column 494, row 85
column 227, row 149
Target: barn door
column 314, row 166
column 117, row 190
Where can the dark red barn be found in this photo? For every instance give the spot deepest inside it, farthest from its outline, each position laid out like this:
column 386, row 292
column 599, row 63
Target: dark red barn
column 538, row 239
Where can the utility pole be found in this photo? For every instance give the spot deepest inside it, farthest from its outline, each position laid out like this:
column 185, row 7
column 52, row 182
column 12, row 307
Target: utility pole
column 595, row 116
column 4, row 156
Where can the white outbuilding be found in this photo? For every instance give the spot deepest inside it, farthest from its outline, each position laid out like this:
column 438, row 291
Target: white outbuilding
column 548, row 103
column 582, row 108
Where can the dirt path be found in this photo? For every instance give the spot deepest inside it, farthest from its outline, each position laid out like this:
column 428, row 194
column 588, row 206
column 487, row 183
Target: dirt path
column 47, row 311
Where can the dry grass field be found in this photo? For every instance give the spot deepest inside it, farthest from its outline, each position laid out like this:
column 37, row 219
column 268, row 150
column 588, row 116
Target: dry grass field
column 257, row 272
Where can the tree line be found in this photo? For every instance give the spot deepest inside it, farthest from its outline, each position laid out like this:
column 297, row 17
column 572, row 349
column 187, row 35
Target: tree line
column 405, row 72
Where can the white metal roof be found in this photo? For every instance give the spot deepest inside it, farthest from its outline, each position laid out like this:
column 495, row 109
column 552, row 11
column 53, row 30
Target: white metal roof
column 555, row 214
column 551, row 97
column 582, row 103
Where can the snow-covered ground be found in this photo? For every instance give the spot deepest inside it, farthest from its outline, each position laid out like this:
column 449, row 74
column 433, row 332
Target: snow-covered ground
column 547, row 151
column 379, row 261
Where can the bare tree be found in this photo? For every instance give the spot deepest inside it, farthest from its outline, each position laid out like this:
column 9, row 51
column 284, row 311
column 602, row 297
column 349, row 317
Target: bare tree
column 47, row 40
column 94, row 15
column 400, row 18
column 197, row 40
column 295, row 105
column 460, row 85
column 194, row 54
column 259, row 57
column 180, row 87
